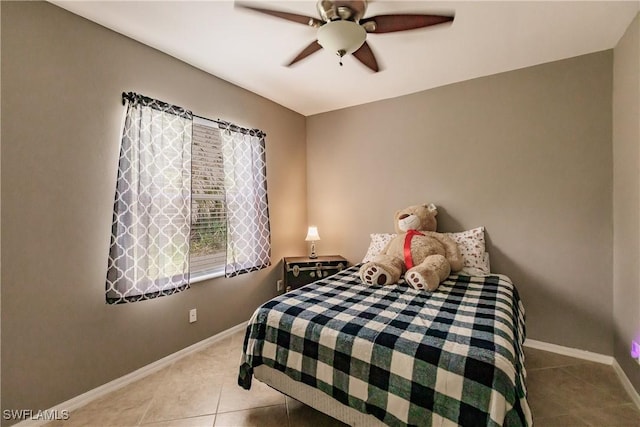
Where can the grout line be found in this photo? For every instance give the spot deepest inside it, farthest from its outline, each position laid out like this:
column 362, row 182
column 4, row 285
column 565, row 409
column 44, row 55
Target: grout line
column 252, row 408
column 286, row 408
column 626, row 383
column 219, row 398
column 152, row 423
column 154, row 394
column 144, row 414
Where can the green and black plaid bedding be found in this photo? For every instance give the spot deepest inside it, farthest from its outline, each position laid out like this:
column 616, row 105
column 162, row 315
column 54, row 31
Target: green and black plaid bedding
column 449, row 357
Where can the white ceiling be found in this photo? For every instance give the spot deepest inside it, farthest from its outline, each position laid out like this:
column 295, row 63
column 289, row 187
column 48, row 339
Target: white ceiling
column 249, row 49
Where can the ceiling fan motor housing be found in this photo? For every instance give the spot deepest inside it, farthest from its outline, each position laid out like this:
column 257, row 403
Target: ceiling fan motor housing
column 330, row 10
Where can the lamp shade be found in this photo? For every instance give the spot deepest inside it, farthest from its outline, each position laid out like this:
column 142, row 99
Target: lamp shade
column 312, row 234
column 341, row 37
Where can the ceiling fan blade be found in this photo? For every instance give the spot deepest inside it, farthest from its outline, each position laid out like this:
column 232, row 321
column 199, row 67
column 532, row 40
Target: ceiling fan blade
column 402, row 22
column 312, row 48
column 301, row 19
column 366, row 56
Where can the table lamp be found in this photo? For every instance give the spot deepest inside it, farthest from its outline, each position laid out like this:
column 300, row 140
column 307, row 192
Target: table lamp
column 312, row 236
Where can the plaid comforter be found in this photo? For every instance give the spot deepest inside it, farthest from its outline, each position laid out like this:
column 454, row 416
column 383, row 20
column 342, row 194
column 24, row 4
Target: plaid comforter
column 453, row 356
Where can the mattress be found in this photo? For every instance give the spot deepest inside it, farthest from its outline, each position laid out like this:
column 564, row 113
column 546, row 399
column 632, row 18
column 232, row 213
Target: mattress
column 405, row 357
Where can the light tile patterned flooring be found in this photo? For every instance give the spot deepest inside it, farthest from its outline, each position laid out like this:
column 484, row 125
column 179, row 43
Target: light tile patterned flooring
column 201, row 390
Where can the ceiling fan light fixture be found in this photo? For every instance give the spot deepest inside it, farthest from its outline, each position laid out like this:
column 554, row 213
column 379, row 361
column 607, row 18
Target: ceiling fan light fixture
column 341, row 37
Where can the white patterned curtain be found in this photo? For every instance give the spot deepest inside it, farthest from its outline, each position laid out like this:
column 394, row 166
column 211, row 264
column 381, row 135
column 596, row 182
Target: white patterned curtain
column 245, row 172
column 149, row 253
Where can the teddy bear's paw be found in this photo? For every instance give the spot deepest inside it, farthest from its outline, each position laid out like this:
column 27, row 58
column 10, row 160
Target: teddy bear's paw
column 420, row 282
column 374, row 275
column 415, row 280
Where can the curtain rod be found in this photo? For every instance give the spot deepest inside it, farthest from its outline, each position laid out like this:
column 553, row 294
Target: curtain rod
column 235, row 128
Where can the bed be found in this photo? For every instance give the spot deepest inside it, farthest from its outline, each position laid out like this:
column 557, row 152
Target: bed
column 392, row 355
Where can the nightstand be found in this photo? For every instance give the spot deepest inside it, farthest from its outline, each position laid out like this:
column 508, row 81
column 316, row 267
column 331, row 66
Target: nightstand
column 302, row 270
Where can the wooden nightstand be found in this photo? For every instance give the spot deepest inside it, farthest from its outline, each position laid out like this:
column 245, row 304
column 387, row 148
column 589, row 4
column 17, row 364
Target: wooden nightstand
column 302, row 270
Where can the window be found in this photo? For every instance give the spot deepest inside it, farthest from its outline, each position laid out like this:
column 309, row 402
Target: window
column 230, row 232
column 208, row 212
column 190, row 203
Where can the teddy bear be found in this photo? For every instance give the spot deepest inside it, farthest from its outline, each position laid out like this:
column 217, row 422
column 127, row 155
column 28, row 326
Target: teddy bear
column 425, row 257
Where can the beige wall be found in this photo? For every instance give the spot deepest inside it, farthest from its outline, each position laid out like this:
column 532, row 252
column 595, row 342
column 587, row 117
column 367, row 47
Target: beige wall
column 527, row 154
column 626, row 198
column 62, row 78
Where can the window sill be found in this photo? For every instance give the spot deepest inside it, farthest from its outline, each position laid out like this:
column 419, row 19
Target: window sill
column 207, row 276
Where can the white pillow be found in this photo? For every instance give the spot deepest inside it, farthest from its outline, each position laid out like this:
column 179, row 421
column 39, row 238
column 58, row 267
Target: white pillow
column 378, row 242
column 472, row 248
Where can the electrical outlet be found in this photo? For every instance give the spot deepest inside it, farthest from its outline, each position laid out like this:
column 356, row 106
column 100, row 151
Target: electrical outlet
column 279, row 286
column 193, row 315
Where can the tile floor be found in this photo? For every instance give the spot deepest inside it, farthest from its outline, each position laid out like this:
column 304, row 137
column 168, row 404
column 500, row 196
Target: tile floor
column 201, row 390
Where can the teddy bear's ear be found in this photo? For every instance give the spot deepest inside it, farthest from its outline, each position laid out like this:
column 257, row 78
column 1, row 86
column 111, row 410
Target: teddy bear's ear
column 432, row 208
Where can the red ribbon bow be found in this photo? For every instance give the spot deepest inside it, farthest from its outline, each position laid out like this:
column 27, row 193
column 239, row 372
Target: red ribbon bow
column 408, row 260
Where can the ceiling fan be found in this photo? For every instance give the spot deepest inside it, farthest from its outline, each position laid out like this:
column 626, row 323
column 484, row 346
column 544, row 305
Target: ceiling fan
column 343, row 30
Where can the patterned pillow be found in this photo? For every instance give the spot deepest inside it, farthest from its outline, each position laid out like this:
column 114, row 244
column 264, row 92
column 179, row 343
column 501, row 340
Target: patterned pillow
column 472, row 248
column 378, row 242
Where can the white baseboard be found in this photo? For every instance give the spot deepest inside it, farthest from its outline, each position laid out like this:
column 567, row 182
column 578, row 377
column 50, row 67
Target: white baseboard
column 593, row 357
column 132, row 377
column 568, row 351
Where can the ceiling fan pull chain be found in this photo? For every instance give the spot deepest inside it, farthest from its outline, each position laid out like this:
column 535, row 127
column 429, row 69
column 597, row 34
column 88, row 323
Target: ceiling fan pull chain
column 341, row 53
